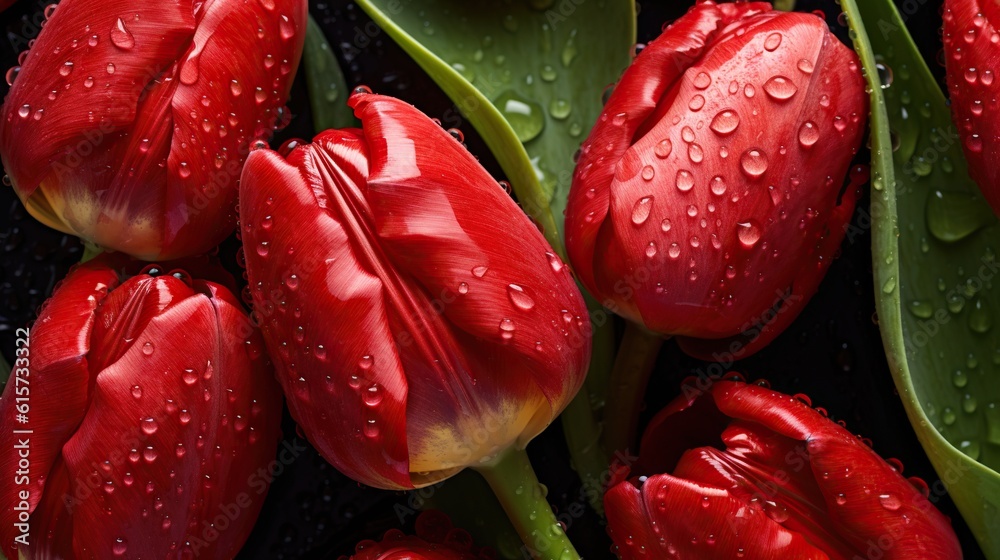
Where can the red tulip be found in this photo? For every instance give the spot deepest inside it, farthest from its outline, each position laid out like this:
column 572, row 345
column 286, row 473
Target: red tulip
column 707, row 202
column 436, row 539
column 128, row 122
column 419, row 321
column 971, row 53
column 152, row 407
column 757, row 474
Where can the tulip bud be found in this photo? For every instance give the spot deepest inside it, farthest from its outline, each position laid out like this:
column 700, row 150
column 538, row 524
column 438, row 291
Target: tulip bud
column 419, row 321
column 970, row 55
column 150, row 414
column 741, row 471
column 128, row 124
column 436, row 539
column 707, row 202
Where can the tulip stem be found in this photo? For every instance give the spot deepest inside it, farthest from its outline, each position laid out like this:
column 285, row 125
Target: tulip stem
column 580, row 420
column 523, row 498
column 629, row 378
column 784, row 5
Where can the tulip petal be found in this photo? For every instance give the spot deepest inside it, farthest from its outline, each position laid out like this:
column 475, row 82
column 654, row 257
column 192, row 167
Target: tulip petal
column 685, row 519
column 317, row 282
column 782, row 458
column 174, row 436
column 59, row 385
column 878, row 505
column 221, row 105
column 438, row 214
column 636, row 97
column 66, row 58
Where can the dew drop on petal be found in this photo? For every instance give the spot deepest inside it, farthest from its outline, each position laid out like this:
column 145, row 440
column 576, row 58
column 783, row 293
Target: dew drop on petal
column 685, row 181
column 772, row 42
column 725, row 122
column 780, row 88
column 640, row 212
column 748, row 233
column 520, row 298
column 808, row 134
column 753, row 162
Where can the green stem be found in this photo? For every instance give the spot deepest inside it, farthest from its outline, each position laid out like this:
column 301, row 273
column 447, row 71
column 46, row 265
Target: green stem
column 523, row 498
column 583, row 438
column 784, row 5
column 580, row 420
column 633, row 366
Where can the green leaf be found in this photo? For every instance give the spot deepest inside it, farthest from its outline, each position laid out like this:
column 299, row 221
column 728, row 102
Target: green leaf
column 527, row 74
column 325, row 81
column 934, row 242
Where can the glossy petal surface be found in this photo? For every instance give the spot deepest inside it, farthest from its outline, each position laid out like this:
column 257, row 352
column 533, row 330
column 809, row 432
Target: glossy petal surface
column 383, row 286
column 710, row 171
column 971, row 53
column 768, row 476
column 177, row 412
column 129, row 126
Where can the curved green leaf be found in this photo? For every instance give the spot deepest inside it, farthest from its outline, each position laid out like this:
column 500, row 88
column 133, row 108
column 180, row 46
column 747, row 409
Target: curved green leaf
column 934, row 239
column 325, row 81
column 528, row 74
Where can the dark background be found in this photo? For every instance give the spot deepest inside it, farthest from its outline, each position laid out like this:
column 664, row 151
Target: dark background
column 832, row 352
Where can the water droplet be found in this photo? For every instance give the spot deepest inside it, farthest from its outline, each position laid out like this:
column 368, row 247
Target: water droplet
column 959, row 378
column 702, row 80
column 980, row 318
column 120, row 546
column 463, row 288
column 725, row 122
column 506, row 329
column 696, row 103
column 480, row 271
column 808, row 134
column 560, row 109
column 695, row 153
column 569, row 50
column 806, row 66
column 147, row 348
column 523, row 115
column 884, row 75
column 674, row 250
column 665, row 225
column 685, row 181
column 110, row 68
column 749, row 90
column 780, row 88
column 889, row 286
column 286, row 28
column 373, row 395
column 753, row 163
column 748, row 233
column 955, row 216
column 121, row 37
column 718, row 185
column 921, row 309
column 640, row 212
column 772, row 42
column 663, row 148
column 520, row 298
column 889, row 502
column 648, row 172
